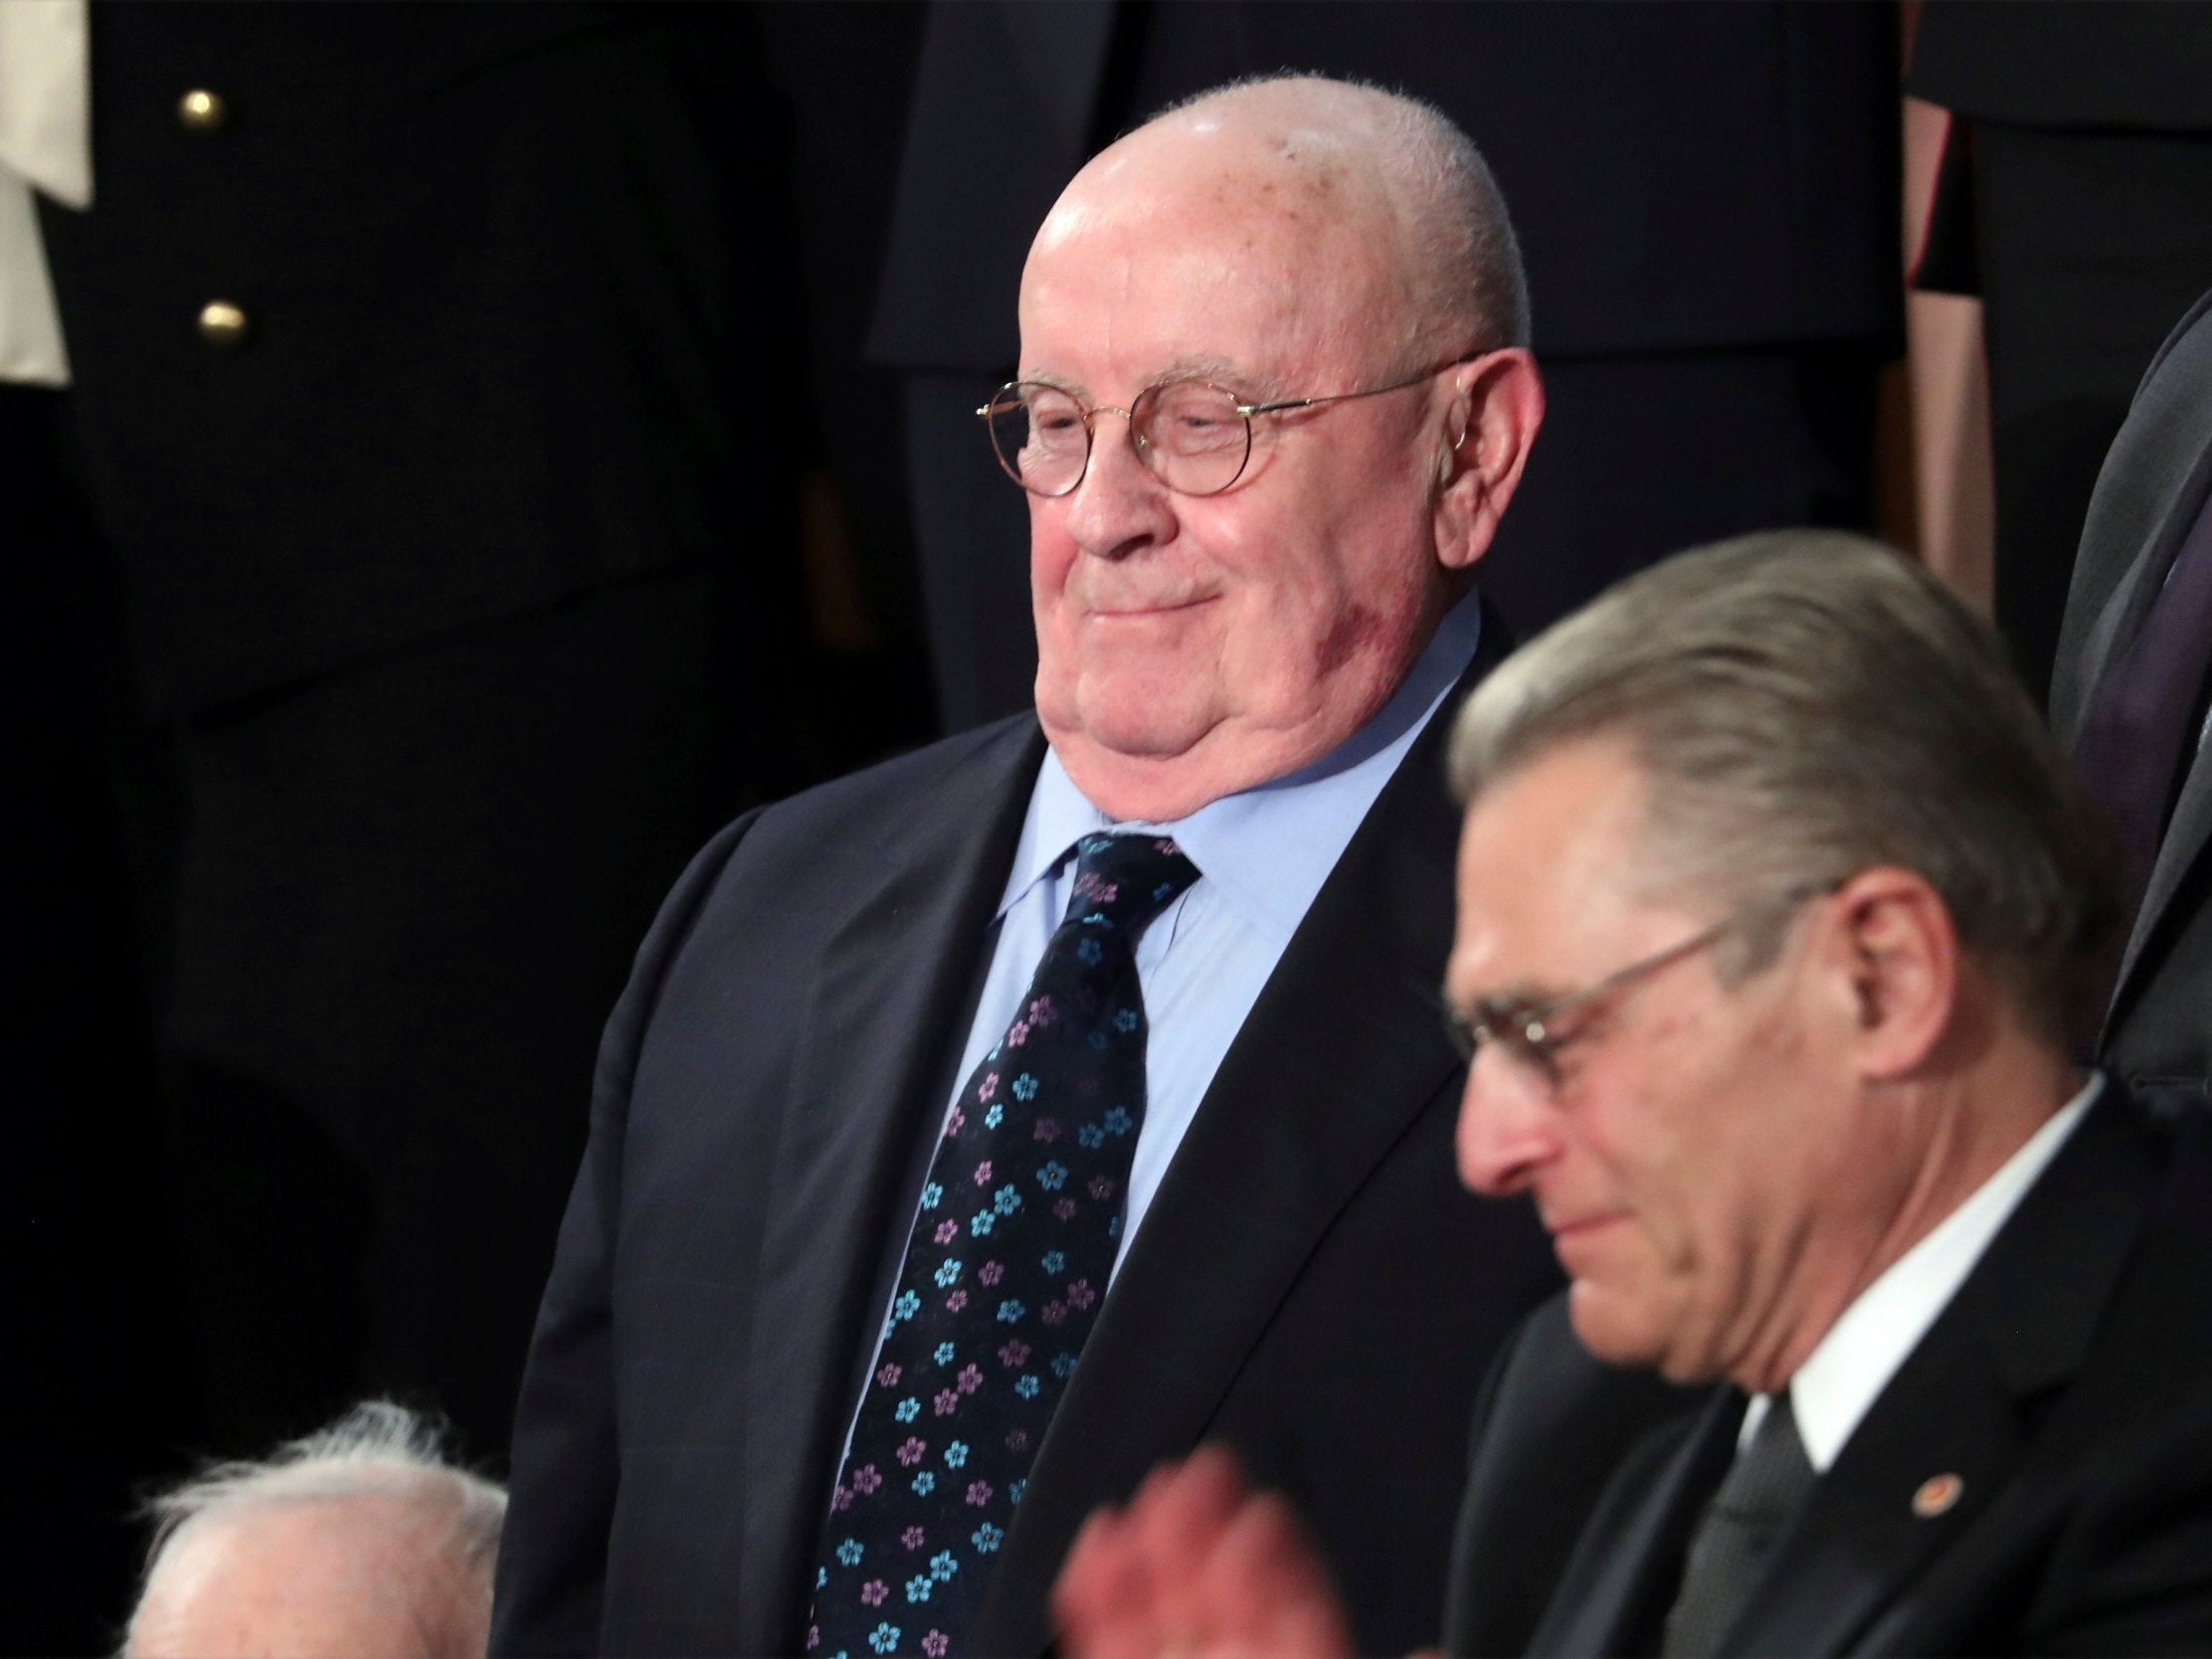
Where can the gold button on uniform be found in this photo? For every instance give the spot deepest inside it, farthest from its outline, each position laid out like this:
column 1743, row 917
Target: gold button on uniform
column 202, row 111
column 222, row 324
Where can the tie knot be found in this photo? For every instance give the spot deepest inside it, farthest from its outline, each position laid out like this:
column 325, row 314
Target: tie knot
column 1124, row 881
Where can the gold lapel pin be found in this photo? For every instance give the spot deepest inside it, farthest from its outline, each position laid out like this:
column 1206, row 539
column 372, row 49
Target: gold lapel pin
column 1936, row 1494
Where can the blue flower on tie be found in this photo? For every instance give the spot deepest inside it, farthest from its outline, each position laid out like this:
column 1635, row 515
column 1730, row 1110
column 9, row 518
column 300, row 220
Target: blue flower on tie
column 1054, row 1260
column 1091, row 1135
column 907, row 1306
column 821, row 1576
column 1113, row 1226
column 1006, row 1201
column 1053, row 1177
column 941, row 1565
column 919, row 1586
column 850, row 1551
column 884, row 1638
column 995, row 1117
column 986, row 1539
column 956, row 1454
column 932, row 1196
column 1013, row 1492
column 1125, row 1021
column 948, row 1275
column 1025, row 1087
column 925, row 1483
column 1119, row 1122
column 943, row 1353
column 1089, row 953
column 982, row 1223
column 1063, row 1362
column 907, row 1410
column 1010, row 1310
column 1027, row 1385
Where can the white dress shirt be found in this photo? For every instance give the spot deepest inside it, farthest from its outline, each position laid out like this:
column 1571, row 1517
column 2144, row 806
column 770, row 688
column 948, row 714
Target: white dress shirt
column 46, row 145
column 1838, row 1384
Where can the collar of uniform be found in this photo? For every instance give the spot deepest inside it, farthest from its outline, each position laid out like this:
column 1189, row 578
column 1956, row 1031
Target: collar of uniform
column 1267, row 851
column 1838, row 1384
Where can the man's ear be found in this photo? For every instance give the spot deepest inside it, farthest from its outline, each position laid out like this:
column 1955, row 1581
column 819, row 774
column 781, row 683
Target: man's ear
column 1895, row 953
column 1495, row 407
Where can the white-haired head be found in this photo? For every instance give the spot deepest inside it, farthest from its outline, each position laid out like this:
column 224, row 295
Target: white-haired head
column 358, row 1539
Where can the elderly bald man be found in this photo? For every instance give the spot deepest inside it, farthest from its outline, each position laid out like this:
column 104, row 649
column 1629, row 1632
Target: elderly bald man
column 358, row 1542
column 1104, row 1037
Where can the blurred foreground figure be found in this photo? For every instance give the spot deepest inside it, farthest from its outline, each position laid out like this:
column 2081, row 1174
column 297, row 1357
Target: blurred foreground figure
column 1778, row 910
column 358, row 1540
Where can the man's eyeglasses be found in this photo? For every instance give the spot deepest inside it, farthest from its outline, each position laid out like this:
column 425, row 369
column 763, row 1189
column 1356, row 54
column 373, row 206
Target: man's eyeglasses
column 1194, row 436
column 1530, row 1034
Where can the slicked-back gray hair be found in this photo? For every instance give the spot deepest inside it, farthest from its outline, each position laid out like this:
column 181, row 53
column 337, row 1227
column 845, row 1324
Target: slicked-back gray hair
column 376, row 1451
column 1470, row 286
column 1807, row 704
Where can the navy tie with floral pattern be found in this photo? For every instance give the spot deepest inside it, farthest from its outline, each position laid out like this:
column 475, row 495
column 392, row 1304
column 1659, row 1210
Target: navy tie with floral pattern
column 1020, row 1220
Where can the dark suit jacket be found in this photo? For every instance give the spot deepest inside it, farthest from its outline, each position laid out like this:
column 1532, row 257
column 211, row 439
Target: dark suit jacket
column 499, row 356
column 1309, row 1285
column 2158, row 1030
column 2065, row 1386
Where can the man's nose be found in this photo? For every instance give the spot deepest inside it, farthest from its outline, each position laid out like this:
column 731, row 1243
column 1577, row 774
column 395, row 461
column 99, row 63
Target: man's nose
column 1508, row 1128
column 1119, row 507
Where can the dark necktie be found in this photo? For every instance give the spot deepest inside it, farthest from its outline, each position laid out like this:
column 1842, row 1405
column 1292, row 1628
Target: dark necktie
column 1761, row 1495
column 1020, row 1220
column 2143, row 714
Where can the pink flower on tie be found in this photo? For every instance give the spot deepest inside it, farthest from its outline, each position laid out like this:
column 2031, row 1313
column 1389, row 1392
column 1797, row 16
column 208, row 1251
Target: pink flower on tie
column 1056, row 1313
column 969, row 1379
column 982, row 1172
column 947, row 1401
column 989, row 1086
column 991, row 1272
column 953, row 1123
column 842, row 1499
column 1017, row 1034
column 912, row 1538
column 1064, row 1209
column 1081, row 1293
column 1101, row 1188
column 955, row 1301
column 1047, row 1130
column 1014, row 1354
column 911, row 1453
column 888, row 1377
column 866, row 1479
column 936, row 1645
column 979, row 1492
column 873, row 1593
column 1042, row 1011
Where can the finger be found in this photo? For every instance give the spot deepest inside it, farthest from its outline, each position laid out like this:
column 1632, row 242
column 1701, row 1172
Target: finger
column 1103, row 1600
column 1266, row 1578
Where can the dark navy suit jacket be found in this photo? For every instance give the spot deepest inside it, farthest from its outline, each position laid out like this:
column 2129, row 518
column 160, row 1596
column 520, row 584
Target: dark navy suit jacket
column 1310, row 1285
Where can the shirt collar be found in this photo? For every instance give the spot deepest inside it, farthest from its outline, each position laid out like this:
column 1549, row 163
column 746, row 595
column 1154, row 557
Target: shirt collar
column 1838, row 1384
column 1266, row 850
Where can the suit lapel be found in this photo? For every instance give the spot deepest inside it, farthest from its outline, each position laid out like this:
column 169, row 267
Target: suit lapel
column 1341, row 1053
column 1614, row 1595
column 887, row 999
column 2020, row 1326
column 2146, row 499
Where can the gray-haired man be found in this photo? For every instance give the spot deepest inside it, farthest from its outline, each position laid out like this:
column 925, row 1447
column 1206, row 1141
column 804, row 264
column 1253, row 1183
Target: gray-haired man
column 1778, row 909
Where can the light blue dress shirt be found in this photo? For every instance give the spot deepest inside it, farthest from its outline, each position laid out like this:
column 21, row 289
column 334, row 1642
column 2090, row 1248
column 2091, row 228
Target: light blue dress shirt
column 1262, row 856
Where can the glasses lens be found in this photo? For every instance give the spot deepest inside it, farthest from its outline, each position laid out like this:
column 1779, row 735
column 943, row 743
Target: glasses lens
column 1191, row 436
column 1041, row 436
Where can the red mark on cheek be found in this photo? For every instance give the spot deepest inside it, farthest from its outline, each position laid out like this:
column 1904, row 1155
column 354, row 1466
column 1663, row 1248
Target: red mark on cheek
column 1353, row 630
